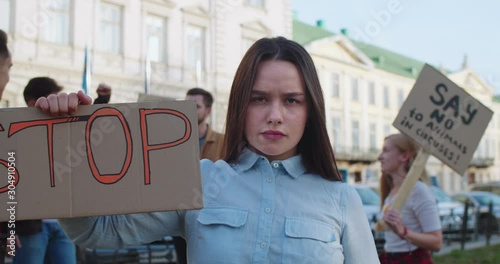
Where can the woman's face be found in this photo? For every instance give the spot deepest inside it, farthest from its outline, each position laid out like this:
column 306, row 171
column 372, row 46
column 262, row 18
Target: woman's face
column 5, row 65
column 391, row 158
column 277, row 112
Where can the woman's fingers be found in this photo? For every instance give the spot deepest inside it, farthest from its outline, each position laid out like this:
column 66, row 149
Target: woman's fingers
column 72, row 103
column 43, row 105
column 53, row 101
column 62, row 103
column 84, row 99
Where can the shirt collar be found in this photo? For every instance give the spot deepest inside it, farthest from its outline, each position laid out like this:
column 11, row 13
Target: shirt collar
column 293, row 165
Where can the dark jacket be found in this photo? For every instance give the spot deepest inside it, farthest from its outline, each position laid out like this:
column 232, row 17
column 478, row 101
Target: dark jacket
column 25, row 227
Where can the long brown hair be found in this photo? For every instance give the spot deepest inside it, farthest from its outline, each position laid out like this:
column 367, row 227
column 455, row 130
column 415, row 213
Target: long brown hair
column 4, row 50
column 314, row 146
column 404, row 144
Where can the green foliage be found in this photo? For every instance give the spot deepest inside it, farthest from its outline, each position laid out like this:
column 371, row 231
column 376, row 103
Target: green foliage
column 485, row 255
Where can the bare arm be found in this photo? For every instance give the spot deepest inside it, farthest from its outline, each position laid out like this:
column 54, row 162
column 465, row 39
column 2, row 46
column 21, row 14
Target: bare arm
column 429, row 240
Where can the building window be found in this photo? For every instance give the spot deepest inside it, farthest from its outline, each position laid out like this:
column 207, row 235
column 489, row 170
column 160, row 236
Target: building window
column 355, row 89
column 371, row 93
column 257, row 3
column 387, row 130
column 480, row 152
column 487, row 148
column 5, row 15
column 336, row 133
column 155, row 30
column 373, row 136
column 387, row 102
column 58, row 24
column 401, row 98
column 110, row 28
column 335, row 83
column 493, row 147
column 247, row 43
column 355, row 135
column 195, row 53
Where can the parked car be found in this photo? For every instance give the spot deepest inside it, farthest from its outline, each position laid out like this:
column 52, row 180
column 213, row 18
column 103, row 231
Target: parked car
column 451, row 214
column 493, row 187
column 371, row 204
column 162, row 251
column 479, row 202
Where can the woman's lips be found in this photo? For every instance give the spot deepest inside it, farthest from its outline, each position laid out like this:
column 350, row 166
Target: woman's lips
column 272, row 134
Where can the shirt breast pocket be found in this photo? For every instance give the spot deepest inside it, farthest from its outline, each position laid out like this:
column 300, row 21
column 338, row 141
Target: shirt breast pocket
column 221, row 232
column 310, row 241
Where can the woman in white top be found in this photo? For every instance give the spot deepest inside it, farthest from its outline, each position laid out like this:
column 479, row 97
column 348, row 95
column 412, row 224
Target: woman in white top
column 415, row 230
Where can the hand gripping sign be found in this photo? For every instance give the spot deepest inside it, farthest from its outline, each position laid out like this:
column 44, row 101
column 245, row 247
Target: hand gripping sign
column 445, row 121
column 106, row 159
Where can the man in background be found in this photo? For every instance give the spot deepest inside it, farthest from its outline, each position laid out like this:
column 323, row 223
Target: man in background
column 210, row 146
column 210, row 141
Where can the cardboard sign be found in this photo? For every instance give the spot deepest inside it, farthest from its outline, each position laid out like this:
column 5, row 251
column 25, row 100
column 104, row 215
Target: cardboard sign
column 444, row 119
column 152, row 98
column 106, row 159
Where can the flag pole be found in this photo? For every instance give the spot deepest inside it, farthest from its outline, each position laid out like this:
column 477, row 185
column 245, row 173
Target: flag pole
column 147, row 75
column 87, row 78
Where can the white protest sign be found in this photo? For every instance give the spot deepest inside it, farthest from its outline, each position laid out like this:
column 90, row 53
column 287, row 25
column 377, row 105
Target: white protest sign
column 443, row 118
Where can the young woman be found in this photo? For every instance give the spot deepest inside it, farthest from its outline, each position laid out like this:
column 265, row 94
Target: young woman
column 416, row 229
column 276, row 197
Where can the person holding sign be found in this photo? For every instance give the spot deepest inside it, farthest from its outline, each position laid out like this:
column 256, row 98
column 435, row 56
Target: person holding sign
column 275, row 197
column 415, row 230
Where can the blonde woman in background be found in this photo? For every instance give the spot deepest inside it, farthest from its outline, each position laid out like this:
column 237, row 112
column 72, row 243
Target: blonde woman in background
column 416, row 230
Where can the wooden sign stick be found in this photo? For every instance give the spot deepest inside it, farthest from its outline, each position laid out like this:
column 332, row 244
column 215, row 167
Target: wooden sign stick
column 409, row 182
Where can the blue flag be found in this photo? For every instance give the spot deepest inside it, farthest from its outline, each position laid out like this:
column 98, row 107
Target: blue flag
column 86, row 72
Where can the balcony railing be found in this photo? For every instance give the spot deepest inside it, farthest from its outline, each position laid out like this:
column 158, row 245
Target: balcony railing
column 355, row 154
column 482, row 162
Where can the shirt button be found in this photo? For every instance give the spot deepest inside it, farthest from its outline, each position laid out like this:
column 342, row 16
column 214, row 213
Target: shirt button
column 269, row 180
column 267, row 210
column 276, row 164
column 263, row 245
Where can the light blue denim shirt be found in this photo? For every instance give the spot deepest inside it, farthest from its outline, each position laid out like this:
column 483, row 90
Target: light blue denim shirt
column 254, row 212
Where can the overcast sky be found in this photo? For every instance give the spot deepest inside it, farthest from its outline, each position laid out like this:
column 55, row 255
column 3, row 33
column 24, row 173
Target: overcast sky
column 437, row 32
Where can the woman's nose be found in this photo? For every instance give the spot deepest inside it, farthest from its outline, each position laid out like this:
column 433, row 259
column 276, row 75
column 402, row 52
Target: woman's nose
column 275, row 113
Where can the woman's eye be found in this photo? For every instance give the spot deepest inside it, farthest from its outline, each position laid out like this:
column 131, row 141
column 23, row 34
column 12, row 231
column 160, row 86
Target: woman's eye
column 292, row 101
column 258, row 99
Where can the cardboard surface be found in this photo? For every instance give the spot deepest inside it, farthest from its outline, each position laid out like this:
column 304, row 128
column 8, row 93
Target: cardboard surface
column 153, row 98
column 444, row 119
column 106, row 159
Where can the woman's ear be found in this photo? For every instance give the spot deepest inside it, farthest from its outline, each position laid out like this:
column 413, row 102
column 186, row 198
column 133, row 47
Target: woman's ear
column 406, row 157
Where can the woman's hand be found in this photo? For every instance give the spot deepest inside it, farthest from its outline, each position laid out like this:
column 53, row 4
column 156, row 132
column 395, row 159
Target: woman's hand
column 62, row 103
column 393, row 219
